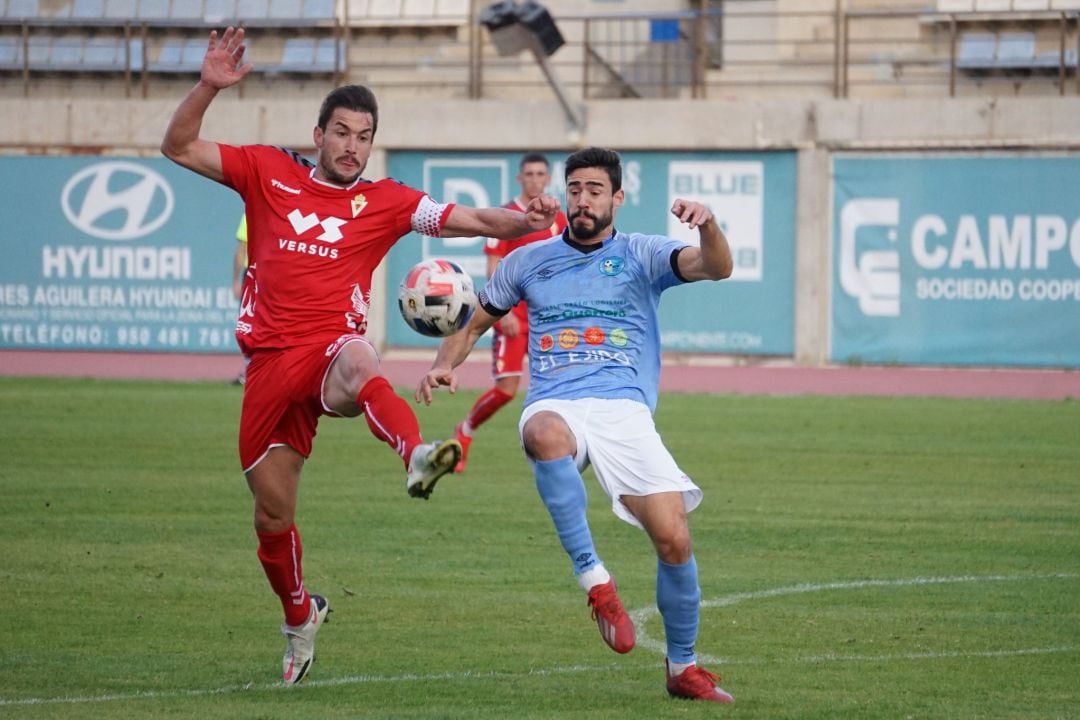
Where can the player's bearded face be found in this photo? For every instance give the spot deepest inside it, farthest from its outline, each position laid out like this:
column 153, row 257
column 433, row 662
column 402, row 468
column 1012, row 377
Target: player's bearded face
column 344, row 146
column 587, row 224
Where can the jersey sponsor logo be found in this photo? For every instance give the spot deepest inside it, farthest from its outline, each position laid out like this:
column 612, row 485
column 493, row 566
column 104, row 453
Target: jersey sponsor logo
column 545, row 273
column 546, row 343
column 282, row 186
column 618, row 337
column 331, row 226
column 594, row 336
column 612, row 266
column 568, row 339
column 96, row 197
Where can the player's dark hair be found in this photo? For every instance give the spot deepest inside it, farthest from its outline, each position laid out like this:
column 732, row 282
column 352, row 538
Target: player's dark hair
column 597, row 157
column 533, row 157
column 351, row 97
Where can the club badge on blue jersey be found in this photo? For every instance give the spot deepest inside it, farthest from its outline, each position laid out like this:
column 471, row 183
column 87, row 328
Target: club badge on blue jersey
column 611, row 266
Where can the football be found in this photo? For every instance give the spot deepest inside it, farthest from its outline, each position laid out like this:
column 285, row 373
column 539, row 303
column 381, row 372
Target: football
column 436, row 298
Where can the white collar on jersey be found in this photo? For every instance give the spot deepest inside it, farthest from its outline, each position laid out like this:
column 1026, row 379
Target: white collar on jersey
column 354, row 183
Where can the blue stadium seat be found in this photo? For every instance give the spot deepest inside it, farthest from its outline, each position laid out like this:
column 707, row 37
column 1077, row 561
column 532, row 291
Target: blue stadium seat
column 325, row 56
column 186, row 10
column 252, row 9
column 169, row 56
column 976, row 51
column 135, row 47
column 220, row 11
column 88, row 10
column 10, row 52
column 298, row 55
column 154, row 9
column 120, row 9
column 318, row 10
column 22, row 9
column 102, row 54
column 66, row 53
column 1015, row 50
column 284, row 9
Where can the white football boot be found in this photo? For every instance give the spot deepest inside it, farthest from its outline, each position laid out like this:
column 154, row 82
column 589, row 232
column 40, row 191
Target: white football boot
column 300, row 642
column 428, row 463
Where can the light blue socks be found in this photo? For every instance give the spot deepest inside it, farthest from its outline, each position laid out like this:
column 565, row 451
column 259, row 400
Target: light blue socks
column 563, row 492
column 679, row 599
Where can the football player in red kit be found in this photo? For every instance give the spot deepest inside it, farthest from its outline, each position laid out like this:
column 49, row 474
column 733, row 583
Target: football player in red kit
column 316, row 233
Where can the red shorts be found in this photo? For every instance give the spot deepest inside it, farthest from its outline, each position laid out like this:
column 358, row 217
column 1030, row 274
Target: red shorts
column 508, row 354
column 283, row 398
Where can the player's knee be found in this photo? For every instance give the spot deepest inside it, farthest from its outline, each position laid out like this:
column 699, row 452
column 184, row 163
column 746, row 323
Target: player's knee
column 673, row 547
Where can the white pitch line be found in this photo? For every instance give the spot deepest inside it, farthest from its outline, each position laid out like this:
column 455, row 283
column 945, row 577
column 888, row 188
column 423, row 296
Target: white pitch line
column 643, row 615
column 640, row 617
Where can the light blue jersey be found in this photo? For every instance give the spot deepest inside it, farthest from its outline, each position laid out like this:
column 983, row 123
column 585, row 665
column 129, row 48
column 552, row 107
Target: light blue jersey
column 593, row 327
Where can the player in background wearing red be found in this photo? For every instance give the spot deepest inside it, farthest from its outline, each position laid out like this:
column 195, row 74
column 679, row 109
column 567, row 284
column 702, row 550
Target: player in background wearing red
column 316, row 233
column 511, row 342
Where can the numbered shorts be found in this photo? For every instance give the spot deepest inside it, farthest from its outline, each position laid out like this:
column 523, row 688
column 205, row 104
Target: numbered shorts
column 283, row 398
column 619, row 439
column 508, row 353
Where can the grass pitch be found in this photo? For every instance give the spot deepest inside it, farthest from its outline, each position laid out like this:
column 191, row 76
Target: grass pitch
column 859, row 558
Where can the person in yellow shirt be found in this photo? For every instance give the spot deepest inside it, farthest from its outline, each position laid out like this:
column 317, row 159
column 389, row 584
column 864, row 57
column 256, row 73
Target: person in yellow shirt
column 240, row 263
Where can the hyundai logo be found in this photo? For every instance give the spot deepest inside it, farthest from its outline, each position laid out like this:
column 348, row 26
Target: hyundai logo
column 117, row 200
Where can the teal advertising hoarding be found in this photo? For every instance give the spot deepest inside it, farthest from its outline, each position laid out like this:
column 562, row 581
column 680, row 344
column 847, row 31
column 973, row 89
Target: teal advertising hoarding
column 956, row 260
column 753, row 195
column 108, row 253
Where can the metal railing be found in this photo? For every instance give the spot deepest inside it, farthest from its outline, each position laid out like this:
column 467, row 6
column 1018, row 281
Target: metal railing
column 719, row 49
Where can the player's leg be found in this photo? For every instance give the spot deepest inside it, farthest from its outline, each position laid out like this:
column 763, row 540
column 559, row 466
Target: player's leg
column 552, row 446
column 678, row 595
column 507, row 365
column 354, row 385
column 274, row 481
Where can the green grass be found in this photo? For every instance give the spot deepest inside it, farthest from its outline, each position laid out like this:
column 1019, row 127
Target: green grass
column 131, row 587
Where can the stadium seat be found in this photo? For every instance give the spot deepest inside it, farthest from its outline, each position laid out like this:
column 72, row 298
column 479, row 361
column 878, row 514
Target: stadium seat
column 120, row 9
column 192, row 56
column 10, row 52
column 22, row 9
column 318, row 10
column 298, row 55
column 326, row 57
column 38, row 49
column 1015, row 50
column 102, row 54
column 169, row 56
column 88, row 10
column 185, row 11
column 218, row 11
column 976, row 51
column 135, row 47
column 66, row 53
column 453, row 9
column 247, row 10
column 154, row 9
column 284, row 10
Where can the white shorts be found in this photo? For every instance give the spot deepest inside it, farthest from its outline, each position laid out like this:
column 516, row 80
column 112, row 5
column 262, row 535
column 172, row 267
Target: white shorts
column 619, row 439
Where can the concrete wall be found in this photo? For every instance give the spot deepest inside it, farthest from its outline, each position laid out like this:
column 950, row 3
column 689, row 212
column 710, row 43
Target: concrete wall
column 816, row 129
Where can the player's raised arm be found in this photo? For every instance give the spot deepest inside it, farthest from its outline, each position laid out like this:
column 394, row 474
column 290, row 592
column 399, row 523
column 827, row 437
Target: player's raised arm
column 500, row 222
column 452, row 352
column 712, row 260
column 222, row 67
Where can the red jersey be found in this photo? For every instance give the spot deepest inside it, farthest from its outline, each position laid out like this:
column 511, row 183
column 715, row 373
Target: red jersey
column 313, row 246
column 502, row 248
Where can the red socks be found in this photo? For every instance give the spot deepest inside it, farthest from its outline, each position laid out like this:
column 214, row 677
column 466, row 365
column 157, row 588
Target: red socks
column 280, row 555
column 486, row 406
column 389, row 417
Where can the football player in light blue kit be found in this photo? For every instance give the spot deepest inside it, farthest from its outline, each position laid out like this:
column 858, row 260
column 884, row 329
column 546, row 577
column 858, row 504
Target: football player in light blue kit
column 594, row 365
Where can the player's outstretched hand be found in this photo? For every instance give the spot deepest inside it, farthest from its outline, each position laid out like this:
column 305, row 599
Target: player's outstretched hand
column 433, row 379
column 541, row 212
column 693, row 214
column 222, row 64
